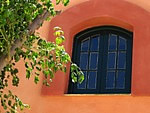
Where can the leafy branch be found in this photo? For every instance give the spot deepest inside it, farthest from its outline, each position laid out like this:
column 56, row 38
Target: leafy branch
column 18, row 21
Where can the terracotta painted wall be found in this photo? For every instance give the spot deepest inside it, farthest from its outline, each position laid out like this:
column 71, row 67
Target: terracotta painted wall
column 122, row 13
column 133, row 15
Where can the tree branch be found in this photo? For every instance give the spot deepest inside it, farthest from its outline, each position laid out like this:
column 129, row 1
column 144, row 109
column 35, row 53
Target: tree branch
column 19, row 42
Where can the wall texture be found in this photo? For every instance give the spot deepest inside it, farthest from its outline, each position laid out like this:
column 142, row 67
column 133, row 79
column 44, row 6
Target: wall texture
column 80, row 15
column 126, row 14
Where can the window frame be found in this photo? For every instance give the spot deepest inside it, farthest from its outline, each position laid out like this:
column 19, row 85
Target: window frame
column 105, row 30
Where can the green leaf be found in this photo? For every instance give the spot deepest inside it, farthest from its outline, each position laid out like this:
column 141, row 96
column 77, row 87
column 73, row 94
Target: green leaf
column 15, row 71
column 51, row 73
column 7, row 2
column 38, row 68
column 27, row 74
column 57, row 28
column 26, row 65
column 45, row 83
column 50, row 80
column 46, row 73
column 74, row 77
column 40, row 42
column 36, row 79
column 5, row 107
column 62, row 37
column 64, row 69
column 81, row 77
column 65, row 58
column 65, row 2
column 43, row 64
column 5, row 96
column 16, row 57
column 26, row 106
column 20, row 103
column 37, row 73
column 73, row 67
column 55, row 68
column 15, row 81
column 59, row 33
column 59, row 40
column 51, row 64
column 9, row 102
column 57, row 2
column 21, row 107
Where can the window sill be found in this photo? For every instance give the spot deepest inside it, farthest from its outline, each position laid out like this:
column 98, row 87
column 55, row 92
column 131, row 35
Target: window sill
column 97, row 94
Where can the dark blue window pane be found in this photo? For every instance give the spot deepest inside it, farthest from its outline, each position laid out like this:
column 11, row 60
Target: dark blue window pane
column 122, row 43
column 83, row 84
column 112, row 60
column 121, row 60
column 110, row 80
column 85, row 45
column 92, row 80
column 93, row 60
column 112, row 42
column 94, row 43
column 83, row 60
column 120, row 80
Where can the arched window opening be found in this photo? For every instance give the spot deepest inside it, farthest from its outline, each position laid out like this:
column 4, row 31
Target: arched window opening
column 105, row 56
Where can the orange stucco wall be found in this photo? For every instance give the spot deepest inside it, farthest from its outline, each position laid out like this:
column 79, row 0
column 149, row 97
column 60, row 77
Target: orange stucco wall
column 123, row 13
column 133, row 15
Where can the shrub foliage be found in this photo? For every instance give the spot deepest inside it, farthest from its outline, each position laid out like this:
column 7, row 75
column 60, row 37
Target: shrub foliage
column 18, row 21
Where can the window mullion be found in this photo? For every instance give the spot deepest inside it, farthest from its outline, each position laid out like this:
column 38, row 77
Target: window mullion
column 117, row 52
column 100, row 60
column 104, row 61
column 88, row 63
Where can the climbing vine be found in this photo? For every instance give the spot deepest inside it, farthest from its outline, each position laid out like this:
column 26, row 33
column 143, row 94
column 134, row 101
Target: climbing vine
column 18, row 21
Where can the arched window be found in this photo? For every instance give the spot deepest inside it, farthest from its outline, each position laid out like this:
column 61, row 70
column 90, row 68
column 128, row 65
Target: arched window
column 105, row 56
